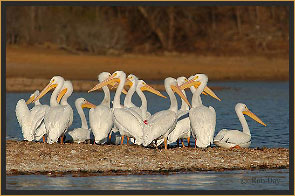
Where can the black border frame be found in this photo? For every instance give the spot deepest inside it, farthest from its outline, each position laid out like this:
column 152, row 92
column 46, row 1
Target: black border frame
column 147, row 3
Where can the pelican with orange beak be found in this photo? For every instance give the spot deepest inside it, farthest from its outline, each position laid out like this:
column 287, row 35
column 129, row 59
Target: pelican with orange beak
column 139, row 86
column 235, row 138
column 81, row 134
column 30, row 120
column 128, row 122
column 101, row 117
column 202, row 118
column 60, row 116
column 162, row 123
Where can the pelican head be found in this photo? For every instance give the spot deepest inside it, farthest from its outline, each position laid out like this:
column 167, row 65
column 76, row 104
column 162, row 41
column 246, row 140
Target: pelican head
column 240, row 107
column 144, row 87
column 102, row 76
column 32, row 97
column 67, row 90
column 117, row 76
column 52, row 84
column 83, row 103
column 131, row 80
column 172, row 84
column 181, row 80
column 196, row 81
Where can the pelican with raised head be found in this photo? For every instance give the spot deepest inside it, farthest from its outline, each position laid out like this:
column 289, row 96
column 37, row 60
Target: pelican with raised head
column 59, row 116
column 235, row 138
column 162, row 123
column 139, row 86
column 101, row 117
column 182, row 129
column 202, row 118
column 127, row 121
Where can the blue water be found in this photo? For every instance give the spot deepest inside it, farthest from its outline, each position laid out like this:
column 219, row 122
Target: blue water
column 268, row 100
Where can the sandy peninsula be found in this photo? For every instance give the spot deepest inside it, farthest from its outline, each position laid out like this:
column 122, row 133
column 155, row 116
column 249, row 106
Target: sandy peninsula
column 88, row 159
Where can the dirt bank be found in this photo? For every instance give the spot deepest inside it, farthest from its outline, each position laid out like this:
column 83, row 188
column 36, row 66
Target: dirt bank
column 87, row 159
column 43, row 63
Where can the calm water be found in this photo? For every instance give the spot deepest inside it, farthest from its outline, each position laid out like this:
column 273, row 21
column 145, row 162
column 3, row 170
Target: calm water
column 228, row 180
column 268, row 100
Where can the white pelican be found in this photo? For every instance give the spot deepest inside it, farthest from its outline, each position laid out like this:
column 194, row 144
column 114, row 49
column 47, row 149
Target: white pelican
column 127, row 121
column 139, row 86
column 142, row 86
column 235, row 138
column 202, row 118
column 81, row 134
column 59, row 117
column 101, row 117
column 162, row 123
column 182, row 128
column 30, row 120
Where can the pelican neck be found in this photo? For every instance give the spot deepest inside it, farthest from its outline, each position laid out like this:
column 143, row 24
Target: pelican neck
column 173, row 101
column 82, row 116
column 53, row 97
column 116, row 103
column 243, row 122
column 107, row 98
column 196, row 99
column 128, row 99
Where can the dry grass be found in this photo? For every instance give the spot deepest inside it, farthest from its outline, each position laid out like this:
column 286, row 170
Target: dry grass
column 42, row 63
column 31, row 157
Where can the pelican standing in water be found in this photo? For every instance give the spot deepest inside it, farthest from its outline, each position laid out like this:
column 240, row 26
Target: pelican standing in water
column 127, row 121
column 162, row 123
column 101, row 117
column 81, row 134
column 202, row 118
column 235, row 138
column 30, row 120
column 59, row 117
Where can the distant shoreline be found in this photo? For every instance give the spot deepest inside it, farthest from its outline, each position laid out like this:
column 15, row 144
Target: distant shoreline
column 30, row 68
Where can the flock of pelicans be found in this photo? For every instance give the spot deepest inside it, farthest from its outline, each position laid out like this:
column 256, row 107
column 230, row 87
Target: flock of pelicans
column 128, row 120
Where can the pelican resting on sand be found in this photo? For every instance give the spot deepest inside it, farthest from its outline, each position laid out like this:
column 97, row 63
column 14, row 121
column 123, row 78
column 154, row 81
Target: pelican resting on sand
column 235, row 138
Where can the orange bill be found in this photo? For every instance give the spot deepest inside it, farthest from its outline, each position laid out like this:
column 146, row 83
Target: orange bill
column 45, row 90
column 177, row 90
column 30, row 99
column 88, row 105
column 253, row 116
column 110, row 80
column 152, row 90
column 61, row 94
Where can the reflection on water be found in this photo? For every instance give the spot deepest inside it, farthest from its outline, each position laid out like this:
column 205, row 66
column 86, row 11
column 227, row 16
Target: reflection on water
column 268, row 100
column 228, row 180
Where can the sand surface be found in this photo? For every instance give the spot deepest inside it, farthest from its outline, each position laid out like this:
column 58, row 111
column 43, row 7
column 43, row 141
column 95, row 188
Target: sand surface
column 36, row 66
column 88, row 159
